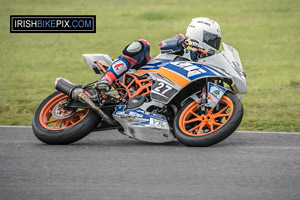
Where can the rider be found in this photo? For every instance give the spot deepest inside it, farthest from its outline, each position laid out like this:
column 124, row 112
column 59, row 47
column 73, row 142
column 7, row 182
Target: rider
column 202, row 38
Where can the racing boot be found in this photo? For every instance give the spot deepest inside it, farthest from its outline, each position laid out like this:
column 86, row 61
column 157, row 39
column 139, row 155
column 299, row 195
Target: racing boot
column 103, row 85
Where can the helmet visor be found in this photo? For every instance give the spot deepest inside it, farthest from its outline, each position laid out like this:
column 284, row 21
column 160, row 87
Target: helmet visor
column 211, row 39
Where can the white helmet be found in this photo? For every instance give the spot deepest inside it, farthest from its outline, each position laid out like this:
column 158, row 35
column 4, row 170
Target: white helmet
column 206, row 31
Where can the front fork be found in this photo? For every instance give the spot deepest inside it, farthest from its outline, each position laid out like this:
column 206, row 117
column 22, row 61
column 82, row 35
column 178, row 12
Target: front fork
column 204, row 96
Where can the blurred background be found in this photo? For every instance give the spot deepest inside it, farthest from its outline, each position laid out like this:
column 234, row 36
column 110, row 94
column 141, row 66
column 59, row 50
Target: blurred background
column 266, row 34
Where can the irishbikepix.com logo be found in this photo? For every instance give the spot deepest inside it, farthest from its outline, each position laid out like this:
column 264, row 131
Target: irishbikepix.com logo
column 53, row 23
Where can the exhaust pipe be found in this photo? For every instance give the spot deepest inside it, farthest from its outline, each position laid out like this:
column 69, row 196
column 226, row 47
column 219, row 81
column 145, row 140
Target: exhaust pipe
column 65, row 86
column 77, row 93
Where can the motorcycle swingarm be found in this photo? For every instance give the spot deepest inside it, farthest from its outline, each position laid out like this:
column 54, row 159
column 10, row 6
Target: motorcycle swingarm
column 103, row 126
column 79, row 104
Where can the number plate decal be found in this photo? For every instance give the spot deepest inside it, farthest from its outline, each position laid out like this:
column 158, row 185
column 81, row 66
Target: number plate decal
column 162, row 92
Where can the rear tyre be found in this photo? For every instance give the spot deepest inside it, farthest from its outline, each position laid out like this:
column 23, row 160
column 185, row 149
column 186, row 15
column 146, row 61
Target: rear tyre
column 52, row 124
column 201, row 130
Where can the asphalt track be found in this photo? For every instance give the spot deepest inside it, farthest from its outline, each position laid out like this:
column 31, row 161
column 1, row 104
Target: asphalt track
column 108, row 165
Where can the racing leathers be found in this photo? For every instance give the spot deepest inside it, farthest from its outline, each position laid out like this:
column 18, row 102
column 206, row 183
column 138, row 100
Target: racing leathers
column 134, row 55
column 137, row 54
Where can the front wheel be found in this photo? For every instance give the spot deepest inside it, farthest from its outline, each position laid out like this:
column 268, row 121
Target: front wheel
column 52, row 124
column 193, row 128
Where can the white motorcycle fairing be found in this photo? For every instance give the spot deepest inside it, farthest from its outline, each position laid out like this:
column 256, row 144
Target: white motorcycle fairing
column 170, row 77
column 143, row 125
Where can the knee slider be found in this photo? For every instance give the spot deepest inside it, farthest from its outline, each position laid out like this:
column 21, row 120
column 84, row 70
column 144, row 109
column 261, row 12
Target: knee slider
column 133, row 49
column 137, row 53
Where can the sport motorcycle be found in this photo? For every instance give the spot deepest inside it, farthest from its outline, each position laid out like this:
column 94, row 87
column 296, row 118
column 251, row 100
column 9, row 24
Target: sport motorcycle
column 170, row 98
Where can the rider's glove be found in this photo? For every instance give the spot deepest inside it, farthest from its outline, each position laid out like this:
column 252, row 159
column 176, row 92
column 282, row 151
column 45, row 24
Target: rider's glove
column 191, row 45
column 197, row 49
column 103, row 85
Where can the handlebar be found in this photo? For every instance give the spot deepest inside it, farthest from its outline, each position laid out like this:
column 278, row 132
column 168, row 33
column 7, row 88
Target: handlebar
column 194, row 48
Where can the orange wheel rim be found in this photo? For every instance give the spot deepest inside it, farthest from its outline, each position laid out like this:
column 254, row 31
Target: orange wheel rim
column 48, row 121
column 194, row 124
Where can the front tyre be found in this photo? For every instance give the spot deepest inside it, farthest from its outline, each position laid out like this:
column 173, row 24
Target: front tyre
column 193, row 128
column 52, row 124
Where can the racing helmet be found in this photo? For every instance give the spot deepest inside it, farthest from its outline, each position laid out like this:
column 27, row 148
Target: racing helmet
column 206, row 31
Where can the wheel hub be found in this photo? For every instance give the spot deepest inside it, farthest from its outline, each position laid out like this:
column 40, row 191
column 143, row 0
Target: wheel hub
column 61, row 113
column 206, row 118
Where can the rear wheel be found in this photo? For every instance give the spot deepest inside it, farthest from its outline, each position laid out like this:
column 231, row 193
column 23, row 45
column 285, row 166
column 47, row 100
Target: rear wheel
column 53, row 124
column 193, row 128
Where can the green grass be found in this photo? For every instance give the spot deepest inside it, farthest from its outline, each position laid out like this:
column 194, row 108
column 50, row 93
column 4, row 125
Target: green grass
column 266, row 34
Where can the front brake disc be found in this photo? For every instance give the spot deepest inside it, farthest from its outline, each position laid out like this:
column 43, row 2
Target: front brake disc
column 61, row 113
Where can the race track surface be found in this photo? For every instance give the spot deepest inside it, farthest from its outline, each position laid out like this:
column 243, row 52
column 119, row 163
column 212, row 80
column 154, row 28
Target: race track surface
column 108, row 165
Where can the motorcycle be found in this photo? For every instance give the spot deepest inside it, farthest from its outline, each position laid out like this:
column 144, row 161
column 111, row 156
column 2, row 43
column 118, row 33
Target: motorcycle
column 170, row 98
